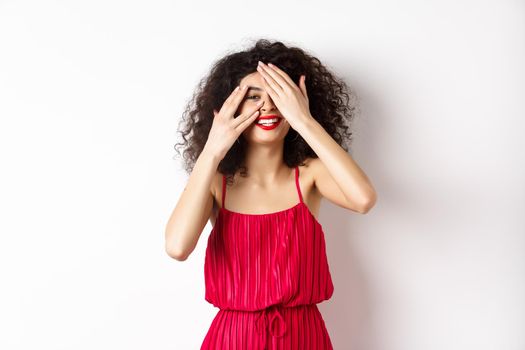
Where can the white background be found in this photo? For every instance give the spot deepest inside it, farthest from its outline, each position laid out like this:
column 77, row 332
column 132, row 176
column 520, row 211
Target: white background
column 90, row 96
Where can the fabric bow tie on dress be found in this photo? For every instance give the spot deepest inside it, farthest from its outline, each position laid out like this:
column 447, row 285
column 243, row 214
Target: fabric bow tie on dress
column 264, row 322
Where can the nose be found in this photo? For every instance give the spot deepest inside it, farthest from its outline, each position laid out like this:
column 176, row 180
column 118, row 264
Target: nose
column 268, row 104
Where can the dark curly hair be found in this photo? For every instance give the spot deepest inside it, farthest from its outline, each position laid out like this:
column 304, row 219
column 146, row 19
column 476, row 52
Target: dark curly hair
column 328, row 96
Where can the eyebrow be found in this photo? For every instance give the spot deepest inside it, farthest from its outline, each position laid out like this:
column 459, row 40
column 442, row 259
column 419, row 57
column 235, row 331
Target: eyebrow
column 254, row 88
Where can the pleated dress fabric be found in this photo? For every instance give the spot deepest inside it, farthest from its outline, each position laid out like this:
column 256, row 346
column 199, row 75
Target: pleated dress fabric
column 266, row 273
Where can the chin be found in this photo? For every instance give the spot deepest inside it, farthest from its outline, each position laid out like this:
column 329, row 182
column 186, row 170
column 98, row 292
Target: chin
column 256, row 135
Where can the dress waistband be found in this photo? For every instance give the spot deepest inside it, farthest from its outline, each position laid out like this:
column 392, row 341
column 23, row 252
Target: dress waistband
column 264, row 322
column 266, row 318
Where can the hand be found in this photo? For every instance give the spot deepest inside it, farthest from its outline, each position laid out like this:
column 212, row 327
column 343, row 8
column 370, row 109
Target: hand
column 290, row 99
column 225, row 128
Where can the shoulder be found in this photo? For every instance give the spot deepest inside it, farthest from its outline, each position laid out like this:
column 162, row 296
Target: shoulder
column 311, row 168
column 309, row 173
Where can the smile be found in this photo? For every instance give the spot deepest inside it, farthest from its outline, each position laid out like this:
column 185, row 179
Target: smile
column 268, row 122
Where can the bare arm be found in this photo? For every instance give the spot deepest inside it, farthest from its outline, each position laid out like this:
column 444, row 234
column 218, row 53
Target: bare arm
column 354, row 181
column 336, row 174
column 193, row 209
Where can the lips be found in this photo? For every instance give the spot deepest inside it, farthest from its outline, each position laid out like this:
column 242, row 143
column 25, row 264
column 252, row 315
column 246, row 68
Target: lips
column 267, row 117
column 269, row 127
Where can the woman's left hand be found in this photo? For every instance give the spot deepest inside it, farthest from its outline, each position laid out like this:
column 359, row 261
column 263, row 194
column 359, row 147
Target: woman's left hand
column 290, row 99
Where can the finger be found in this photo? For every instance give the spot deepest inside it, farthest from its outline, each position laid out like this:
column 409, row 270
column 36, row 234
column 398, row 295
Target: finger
column 276, row 86
column 247, row 121
column 232, row 94
column 231, row 106
column 240, row 95
column 242, row 117
column 229, row 99
column 273, row 95
column 282, row 74
column 302, row 85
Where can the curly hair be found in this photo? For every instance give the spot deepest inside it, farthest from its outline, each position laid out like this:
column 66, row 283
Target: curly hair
column 328, row 96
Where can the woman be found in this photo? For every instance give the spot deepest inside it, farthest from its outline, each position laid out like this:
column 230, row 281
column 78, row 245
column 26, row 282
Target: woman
column 264, row 142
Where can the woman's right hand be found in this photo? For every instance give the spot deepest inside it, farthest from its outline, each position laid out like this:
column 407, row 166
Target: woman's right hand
column 226, row 128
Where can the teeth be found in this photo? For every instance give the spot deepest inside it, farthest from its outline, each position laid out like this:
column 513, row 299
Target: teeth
column 268, row 121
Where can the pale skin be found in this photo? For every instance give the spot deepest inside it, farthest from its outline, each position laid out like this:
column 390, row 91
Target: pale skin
column 270, row 186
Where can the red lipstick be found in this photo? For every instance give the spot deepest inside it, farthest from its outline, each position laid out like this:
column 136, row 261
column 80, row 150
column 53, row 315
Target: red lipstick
column 269, row 125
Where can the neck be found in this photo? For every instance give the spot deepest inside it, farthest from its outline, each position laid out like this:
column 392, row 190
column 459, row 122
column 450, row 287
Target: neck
column 265, row 162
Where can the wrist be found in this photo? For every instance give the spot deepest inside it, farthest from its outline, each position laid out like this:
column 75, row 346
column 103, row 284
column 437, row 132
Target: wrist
column 210, row 155
column 307, row 122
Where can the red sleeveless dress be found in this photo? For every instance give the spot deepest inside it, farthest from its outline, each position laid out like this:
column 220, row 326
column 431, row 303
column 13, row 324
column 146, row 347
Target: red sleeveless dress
column 266, row 273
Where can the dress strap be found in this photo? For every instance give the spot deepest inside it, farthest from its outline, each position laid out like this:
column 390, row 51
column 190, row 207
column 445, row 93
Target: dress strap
column 223, row 189
column 297, row 184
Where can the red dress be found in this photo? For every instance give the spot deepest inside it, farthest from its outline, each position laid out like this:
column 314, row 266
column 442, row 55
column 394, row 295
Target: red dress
column 266, row 273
